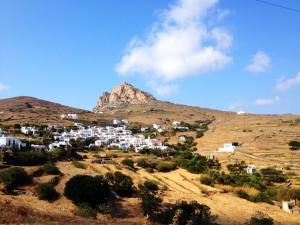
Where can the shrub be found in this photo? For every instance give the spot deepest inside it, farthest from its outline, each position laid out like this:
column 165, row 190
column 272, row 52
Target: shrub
column 199, row 134
column 31, row 158
column 86, row 211
column 144, row 163
column 149, row 170
column 13, row 177
column 59, row 152
column 128, row 162
column 243, row 194
column 237, row 167
column 206, row 180
column 273, row 175
column 166, row 167
column 78, row 164
column 46, row 192
column 150, row 204
column 51, row 169
column 187, row 212
column 261, row 219
column 87, row 189
column 294, row 145
column 120, row 183
column 151, row 186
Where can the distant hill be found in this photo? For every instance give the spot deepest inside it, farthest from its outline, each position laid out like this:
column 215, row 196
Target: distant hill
column 26, row 103
column 24, row 109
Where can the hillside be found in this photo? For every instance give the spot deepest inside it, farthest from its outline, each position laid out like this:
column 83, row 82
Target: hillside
column 264, row 142
column 24, row 109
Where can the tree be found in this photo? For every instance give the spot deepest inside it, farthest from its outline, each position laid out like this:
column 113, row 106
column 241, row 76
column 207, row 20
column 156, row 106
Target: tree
column 128, row 162
column 46, row 192
column 87, row 189
column 13, row 177
column 120, row 183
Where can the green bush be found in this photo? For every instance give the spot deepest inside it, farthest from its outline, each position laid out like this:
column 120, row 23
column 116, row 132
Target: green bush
column 294, row 145
column 236, row 179
column 243, row 194
column 128, row 162
column 51, row 169
column 46, row 192
column 120, row 183
column 13, row 177
column 59, row 152
column 273, row 175
column 149, row 170
column 206, row 180
column 196, row 163
column 87, row 189
column 237, row 167
column 166, row 166
column 78, row 164
column 31, row 158
column 151, row 186
column 86, row 211
column 260, row 219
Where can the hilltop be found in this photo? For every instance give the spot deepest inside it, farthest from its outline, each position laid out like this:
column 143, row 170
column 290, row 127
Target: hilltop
column 122, row 95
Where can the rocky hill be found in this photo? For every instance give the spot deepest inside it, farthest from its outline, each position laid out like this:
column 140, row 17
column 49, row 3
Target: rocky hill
column 125, row 94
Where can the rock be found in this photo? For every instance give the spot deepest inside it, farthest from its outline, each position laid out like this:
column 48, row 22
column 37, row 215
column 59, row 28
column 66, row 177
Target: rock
column 125, row 94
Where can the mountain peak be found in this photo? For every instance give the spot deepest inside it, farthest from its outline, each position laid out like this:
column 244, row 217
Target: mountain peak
column 124, row 94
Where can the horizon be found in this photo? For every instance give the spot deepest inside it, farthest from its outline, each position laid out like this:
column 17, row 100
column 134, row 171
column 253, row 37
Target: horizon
column 71, row 54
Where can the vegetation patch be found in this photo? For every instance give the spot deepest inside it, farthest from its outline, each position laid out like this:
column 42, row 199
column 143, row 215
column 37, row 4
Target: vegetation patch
column 120, row 183
column 87, row 189
column 78, row 164
column 46, row 192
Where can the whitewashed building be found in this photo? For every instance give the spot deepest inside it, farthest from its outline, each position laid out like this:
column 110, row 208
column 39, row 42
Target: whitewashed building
column 30, row 130
column 10, row 142
column 251, row 169
column 227, row 148
column 72, row 116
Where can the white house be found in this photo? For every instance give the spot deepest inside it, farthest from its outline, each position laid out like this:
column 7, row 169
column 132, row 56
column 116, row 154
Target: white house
column 251, row 169
column 7, row 142
column 160, row 130
column 241, row 113
column 120, row 122
column 72, row 116
column 290, row 206
column 156, row 126
column 144, row 129
column 176, row 123
column 228, row 148
column 27, row 130
column 182, row 138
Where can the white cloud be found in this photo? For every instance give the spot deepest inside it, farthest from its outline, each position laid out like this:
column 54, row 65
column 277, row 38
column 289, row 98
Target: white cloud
column 260, row 63
column 182, row 43
column 3, row 87
column 267, row 101
column 286, row 84
column 163, row 89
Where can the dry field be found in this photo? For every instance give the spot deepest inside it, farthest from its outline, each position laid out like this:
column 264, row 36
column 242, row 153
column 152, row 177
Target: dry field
column 176, row 185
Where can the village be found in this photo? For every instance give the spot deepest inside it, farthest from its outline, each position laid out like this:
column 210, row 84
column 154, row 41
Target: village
column 117, row 136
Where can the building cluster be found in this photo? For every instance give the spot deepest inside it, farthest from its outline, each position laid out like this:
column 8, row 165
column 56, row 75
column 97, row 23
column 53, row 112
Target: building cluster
column 72, row 116
column 110, row 137
column 178, row 125
column 30, row 131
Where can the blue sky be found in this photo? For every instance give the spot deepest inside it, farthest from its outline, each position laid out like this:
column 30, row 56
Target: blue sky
column 226, row 54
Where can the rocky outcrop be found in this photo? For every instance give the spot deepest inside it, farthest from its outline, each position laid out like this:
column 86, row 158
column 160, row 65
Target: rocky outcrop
column 125, row 94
